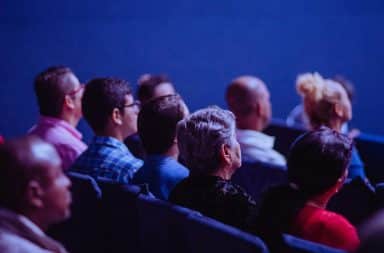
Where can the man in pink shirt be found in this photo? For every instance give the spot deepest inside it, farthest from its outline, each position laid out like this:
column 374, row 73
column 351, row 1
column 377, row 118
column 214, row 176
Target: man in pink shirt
column 59, row 94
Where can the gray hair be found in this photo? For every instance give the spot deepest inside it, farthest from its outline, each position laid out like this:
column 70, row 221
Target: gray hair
column 201, row 135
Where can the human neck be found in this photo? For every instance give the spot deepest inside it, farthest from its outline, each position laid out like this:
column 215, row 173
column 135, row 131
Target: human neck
column 110, row 133
column 173, row 152
column 249, row 123
column 223, row 173
column 72, row 120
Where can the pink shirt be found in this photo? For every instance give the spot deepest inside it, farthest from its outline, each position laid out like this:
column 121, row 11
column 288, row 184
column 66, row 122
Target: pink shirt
column 65, row 138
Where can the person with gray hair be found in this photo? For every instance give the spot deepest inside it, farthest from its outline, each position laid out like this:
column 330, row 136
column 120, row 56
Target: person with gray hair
column 208, row 147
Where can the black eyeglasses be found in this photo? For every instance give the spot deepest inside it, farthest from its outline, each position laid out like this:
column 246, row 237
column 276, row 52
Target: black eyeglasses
column 136, row 104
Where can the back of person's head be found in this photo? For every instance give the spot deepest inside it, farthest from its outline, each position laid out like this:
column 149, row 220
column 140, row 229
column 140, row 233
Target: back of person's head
column 157, row 122
column 325, row 100
column 32, row 180
column 201, row 136
column 347, row 85
column 248, row 96
column 317, row 163
column 101, row 97
column 317, row 159
column 51, row 86
column 151, row 86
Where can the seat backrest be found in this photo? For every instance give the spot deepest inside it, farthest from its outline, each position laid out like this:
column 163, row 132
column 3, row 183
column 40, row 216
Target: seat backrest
column 256, row 177
column 206, row 235
column 284, row 135
column 120, row 217
column 81, row 232
column 162, row 225
column 371, row 150
column 356, row 201
column 297, row 245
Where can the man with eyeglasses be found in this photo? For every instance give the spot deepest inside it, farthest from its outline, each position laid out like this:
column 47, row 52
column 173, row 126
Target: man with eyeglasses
column 110, row 110
column 59, row 92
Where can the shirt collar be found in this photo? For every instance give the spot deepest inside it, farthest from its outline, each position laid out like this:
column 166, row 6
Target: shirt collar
column 10, row 215
column 110, row 141
column 254, row 138
column 62, row 123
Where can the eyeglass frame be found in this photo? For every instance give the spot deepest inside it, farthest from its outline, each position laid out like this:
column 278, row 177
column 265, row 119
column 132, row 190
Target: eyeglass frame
column 73, row 92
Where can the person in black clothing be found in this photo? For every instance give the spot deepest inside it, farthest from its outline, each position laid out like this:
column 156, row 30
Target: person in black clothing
column 208, row 147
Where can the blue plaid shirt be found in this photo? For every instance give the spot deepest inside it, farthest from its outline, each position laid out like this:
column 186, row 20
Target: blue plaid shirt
column 107, row 157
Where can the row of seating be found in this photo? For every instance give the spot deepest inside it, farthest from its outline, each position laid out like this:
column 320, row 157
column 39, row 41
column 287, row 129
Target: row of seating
column 124, row 218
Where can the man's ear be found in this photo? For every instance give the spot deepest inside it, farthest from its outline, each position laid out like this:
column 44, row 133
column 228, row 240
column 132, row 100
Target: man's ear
column 225, row 154
column 68, row 102
column 34, row 194
column 339, row 110
column 117, row 117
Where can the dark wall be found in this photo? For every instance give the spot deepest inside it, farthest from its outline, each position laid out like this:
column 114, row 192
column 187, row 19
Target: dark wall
column 202, row 45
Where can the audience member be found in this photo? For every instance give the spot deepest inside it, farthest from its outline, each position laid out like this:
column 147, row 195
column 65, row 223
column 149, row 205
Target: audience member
column 149, row 87
column 110, row 110
column 327, row 104
column 298, row 117
column 157, row 129
column 152, row 86
column 208, row 147
column 34, row 194
column 59, row 93
column 317, row 168
column 248, row 98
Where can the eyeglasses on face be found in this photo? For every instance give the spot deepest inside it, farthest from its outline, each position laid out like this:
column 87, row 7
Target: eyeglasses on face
column 73, row 92
column 136, row 104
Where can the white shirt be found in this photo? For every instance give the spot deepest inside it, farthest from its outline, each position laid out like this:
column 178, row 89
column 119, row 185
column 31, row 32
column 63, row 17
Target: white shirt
column 257, row 146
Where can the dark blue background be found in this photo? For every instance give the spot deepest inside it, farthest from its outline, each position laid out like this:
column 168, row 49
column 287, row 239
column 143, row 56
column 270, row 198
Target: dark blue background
column 202, row 45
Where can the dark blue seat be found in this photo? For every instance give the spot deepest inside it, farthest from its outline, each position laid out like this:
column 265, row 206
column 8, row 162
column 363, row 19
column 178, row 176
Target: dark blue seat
column 119, row 216
column 205, row 235
column 297, row 245
column 371, row 149
column 356, row 201
column 81, row 232
column 256, row 177
column 284, row 135
column 379, row 188
column 162, row 225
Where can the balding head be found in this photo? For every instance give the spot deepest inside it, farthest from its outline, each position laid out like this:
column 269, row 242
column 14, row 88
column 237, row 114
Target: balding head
column 32, row 181
column 248, row 98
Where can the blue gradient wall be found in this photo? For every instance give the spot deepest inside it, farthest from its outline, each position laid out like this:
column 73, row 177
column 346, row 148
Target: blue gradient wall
column 202, row 45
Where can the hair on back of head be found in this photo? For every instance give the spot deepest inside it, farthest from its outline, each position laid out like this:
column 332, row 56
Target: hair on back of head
column 101, row 96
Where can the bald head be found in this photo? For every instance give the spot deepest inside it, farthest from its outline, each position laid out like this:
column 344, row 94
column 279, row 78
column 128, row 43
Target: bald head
column 21, row 161
column 248, row 98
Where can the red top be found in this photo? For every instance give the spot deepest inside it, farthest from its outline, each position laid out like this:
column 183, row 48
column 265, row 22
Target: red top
column 1, row 139
column 329, row 228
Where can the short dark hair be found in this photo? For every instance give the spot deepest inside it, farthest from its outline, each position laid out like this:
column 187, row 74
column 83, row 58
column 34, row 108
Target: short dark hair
column 50, row 89
column 157, row 122
column 101, row 96
column 148, row 84
column 318, row 159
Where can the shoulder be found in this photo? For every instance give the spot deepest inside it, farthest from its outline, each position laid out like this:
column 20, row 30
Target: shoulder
column 14, row 244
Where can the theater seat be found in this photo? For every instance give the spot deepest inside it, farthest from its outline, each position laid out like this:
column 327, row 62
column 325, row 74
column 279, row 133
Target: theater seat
column 356, row 201
column 258, row 176
column 81, row 233
column 206, row 235
column 297, row 245
column 162, row 225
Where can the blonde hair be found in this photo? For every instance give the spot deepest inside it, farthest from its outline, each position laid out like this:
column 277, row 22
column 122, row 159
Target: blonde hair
column 319, row 96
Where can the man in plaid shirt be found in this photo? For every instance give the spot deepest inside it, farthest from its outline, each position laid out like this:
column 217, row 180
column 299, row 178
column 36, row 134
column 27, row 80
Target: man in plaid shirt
column 110, row 110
